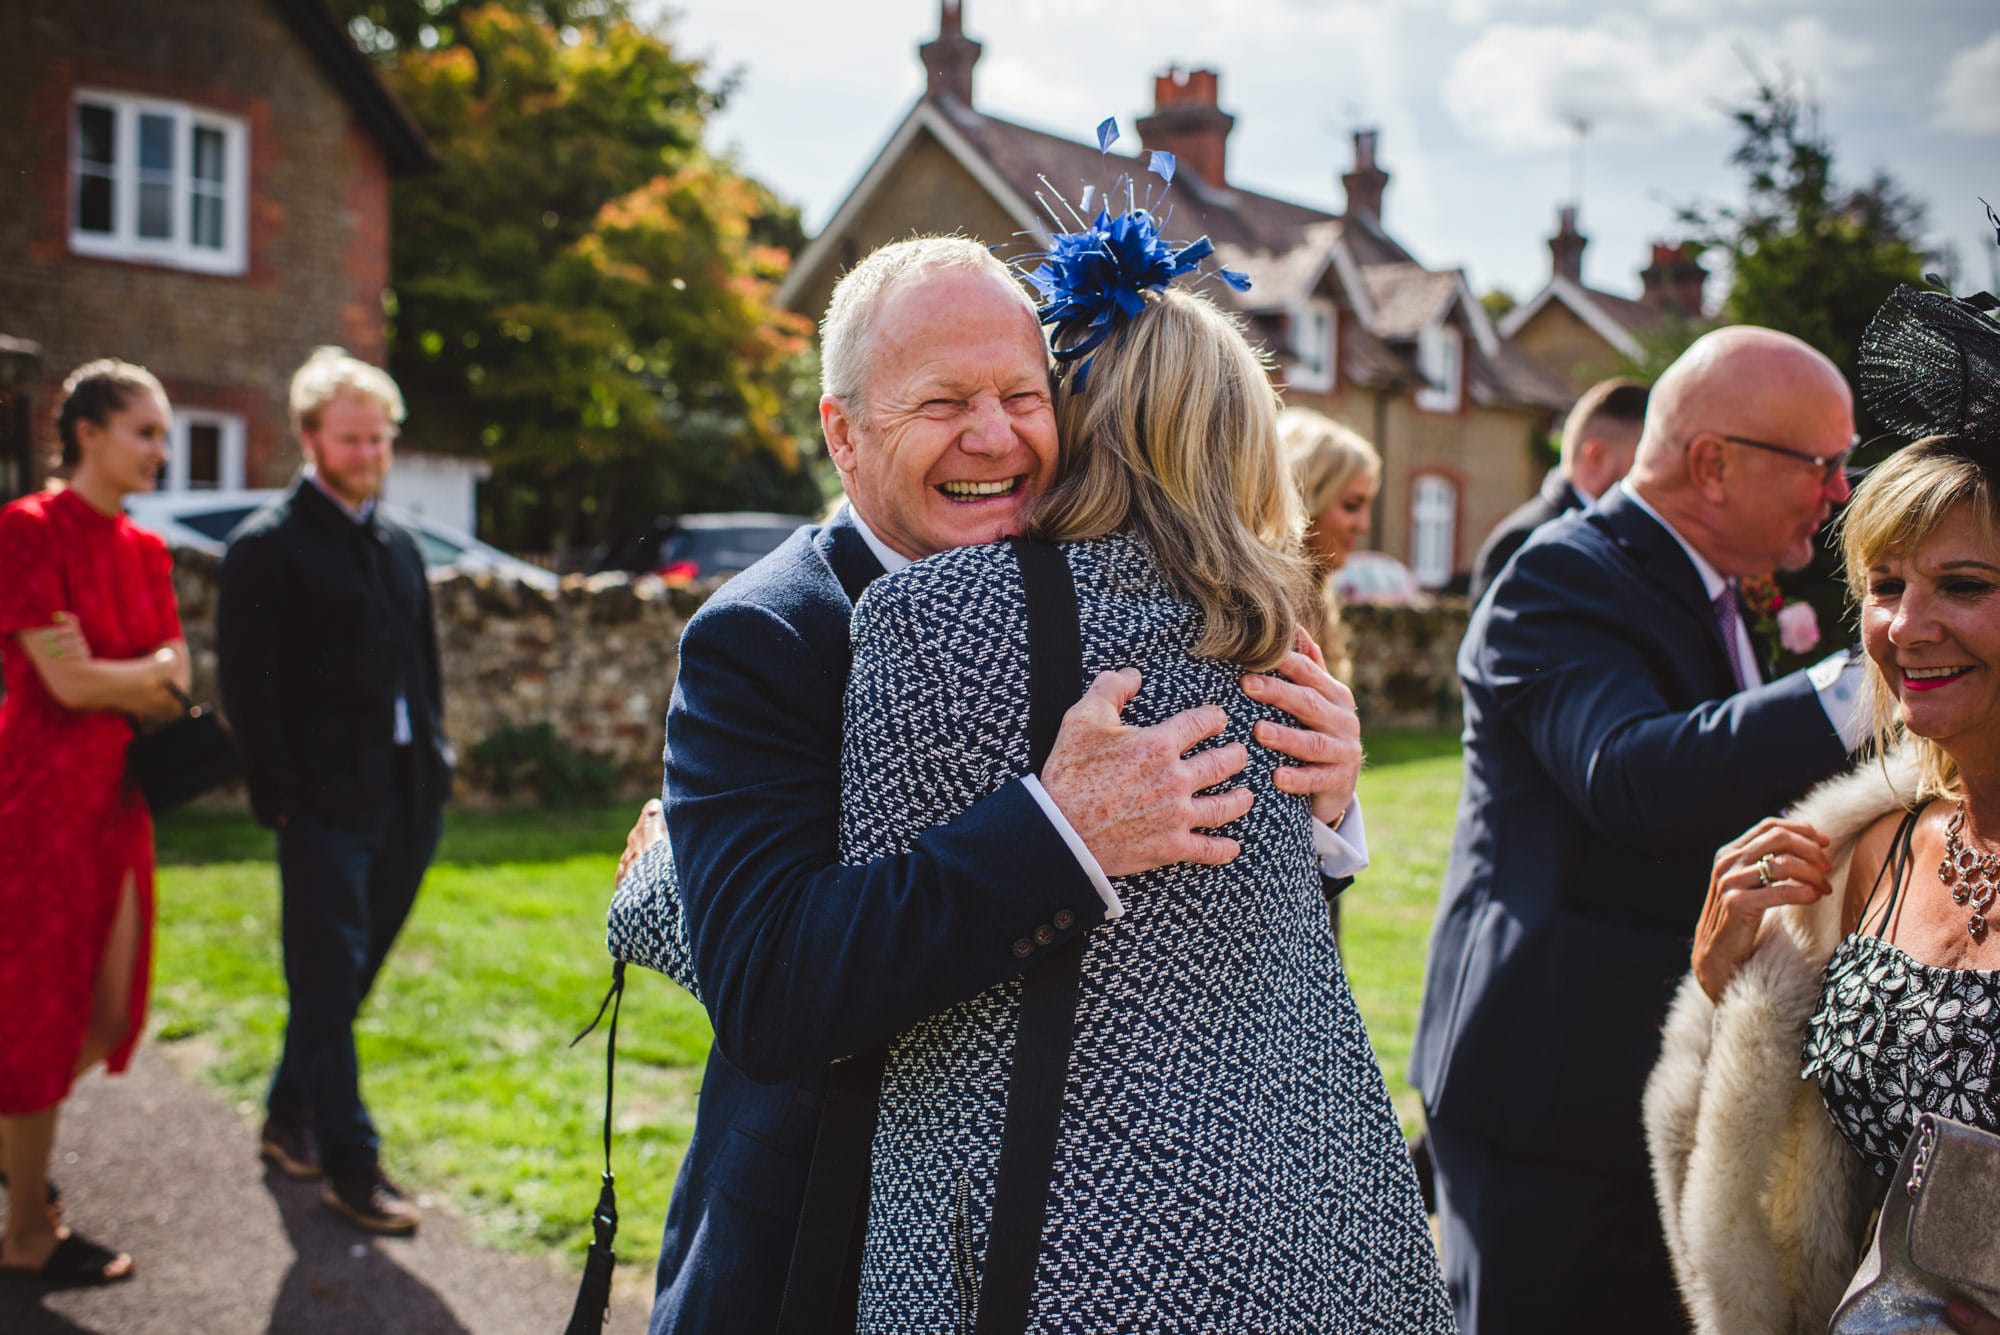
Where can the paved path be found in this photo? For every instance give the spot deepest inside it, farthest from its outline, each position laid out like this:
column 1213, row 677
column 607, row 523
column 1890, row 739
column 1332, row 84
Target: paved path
column 160, row 1168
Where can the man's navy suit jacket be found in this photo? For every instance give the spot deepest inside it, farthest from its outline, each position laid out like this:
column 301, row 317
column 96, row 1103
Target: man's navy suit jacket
column 1556, row 499
column 803, row 961
column 1607, row 754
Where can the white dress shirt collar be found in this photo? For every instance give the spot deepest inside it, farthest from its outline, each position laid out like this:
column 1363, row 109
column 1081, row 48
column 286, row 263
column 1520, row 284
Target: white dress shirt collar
column 1712, row 579
column 358, row 513
column 891, row 559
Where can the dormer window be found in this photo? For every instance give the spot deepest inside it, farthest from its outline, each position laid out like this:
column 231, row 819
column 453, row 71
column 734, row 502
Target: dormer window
column 1441, row 361
column 160, row 182
column 1313, row 346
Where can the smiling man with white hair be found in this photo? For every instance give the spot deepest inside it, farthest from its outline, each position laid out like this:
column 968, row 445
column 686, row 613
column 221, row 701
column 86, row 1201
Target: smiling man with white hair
column 937, row 412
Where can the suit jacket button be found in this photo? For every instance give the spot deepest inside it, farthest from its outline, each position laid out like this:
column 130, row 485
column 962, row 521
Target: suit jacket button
column 1064, row 920
column 1044, row 935
column 1023, row 948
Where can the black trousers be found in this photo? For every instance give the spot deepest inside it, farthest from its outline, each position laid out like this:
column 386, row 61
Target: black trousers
column 346, row 895
column 1530, row 1245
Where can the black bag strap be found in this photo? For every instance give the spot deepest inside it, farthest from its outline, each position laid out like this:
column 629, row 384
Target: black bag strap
column 822, row 1286
column 1048, row 991
column 593, row 1294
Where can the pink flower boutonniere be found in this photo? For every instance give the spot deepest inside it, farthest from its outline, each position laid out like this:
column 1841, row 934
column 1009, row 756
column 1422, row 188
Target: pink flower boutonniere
column 1776, row 625
column 1798, row 628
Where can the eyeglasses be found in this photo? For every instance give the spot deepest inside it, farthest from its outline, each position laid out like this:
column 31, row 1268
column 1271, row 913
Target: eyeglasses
column 1830, row 465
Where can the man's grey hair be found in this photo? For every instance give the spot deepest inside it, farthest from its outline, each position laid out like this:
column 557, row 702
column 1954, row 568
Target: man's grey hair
column 850, row 314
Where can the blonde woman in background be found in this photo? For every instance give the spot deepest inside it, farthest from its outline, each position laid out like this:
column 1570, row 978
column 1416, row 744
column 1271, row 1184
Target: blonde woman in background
column 1337, row 473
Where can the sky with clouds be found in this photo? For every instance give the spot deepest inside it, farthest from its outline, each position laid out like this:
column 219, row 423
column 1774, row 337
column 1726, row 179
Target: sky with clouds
column 1476, row 102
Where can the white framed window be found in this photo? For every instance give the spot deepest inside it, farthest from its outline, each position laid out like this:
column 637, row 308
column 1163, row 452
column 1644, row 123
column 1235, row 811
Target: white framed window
column 1441, row 360
column 1313, row 346
column 207, row 452
column 1433, row 529
column 158, row 181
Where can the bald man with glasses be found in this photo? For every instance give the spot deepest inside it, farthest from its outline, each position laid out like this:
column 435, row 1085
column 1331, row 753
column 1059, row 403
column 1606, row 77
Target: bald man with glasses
column 1618, row 728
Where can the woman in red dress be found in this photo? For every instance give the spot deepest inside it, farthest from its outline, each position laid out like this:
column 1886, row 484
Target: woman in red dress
column 89, row 640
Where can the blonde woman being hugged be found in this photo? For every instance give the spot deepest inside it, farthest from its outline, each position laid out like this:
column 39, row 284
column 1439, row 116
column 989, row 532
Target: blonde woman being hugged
column 1337, row 473
column 90, row 640
column 1840, row 988
column 1226, row 1156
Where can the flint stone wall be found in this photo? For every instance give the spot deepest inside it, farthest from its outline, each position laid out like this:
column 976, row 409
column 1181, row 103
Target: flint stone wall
column 1406, row 664
column 596, row 660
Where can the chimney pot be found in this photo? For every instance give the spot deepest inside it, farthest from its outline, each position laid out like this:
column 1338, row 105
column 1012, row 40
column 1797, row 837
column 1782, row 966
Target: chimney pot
column 1188, row 123
column 1367, row 182
column 1566, row 246
column 949, row 57
column 1673, row 281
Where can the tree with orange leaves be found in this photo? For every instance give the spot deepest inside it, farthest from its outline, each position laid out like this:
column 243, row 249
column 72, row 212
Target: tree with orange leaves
column 583, row 294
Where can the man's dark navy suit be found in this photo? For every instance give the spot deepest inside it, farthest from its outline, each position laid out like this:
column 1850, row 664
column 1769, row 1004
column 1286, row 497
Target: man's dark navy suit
column 803, row 961
column 1608, row 753
column 1556, row 499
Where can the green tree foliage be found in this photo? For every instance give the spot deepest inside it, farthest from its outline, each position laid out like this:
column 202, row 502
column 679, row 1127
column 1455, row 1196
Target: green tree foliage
column 1803, row 253
column 582, row 293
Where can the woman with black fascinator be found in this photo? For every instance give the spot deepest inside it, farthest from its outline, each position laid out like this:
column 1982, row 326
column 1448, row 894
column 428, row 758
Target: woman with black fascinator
column 1835, row 1050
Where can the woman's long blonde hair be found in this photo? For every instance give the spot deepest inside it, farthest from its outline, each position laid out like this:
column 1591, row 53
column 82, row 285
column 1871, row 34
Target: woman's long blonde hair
column 1903, row 501
column 1323, row 457
column 1173, row 435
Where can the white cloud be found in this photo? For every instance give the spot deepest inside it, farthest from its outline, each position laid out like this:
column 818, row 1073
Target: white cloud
column 1524, row 87
column 1968, row 100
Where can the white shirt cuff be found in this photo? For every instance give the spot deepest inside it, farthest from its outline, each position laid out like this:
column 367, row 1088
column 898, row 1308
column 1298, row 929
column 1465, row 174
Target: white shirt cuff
column 1838, row 681
column 1114, row 907
column 1342, row 852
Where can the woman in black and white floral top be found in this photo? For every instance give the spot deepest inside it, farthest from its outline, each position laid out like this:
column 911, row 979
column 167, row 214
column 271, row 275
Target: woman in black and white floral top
column 1846, row 974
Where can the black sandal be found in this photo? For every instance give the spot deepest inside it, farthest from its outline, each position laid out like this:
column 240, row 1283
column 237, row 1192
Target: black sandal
column 53, row 1193
column 76, row 1263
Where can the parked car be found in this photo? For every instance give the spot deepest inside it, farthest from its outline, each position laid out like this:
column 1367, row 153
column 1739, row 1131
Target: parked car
column 203, row 521
column 684, row 548
column 1379, row 579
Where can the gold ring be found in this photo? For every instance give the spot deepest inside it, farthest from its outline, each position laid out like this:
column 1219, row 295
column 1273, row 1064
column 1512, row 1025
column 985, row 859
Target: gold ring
column 1764, row 876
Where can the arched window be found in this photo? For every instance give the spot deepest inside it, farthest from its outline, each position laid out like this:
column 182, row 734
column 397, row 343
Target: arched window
column 1433, row 528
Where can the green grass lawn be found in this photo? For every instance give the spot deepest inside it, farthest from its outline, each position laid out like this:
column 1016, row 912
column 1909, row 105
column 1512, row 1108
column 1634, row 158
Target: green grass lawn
column 463, row 1044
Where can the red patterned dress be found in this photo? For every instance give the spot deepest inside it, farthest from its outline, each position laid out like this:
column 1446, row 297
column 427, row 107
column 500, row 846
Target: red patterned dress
column 71, row 829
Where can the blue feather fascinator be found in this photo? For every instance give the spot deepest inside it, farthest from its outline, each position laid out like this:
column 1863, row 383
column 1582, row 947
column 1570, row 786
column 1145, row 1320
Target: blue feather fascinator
column 1093, row 280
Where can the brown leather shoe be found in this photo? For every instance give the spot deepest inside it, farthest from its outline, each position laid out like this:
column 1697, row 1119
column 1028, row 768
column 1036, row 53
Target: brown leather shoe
column 290, row 1148
column 370, row 1201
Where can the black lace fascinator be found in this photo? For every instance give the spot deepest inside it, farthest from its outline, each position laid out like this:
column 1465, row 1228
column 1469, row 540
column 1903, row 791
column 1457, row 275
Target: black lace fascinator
column 1930, row 365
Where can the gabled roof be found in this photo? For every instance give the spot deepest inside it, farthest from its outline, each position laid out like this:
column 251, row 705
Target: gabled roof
column 1291, row 251
column 1619, row 321
column 402, row 143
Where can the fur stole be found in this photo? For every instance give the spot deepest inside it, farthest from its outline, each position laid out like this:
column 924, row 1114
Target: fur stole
column 1765, row 1206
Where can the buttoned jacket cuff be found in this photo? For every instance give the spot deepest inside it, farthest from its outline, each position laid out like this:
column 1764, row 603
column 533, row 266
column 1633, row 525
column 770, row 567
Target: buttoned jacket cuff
column 1343, row 851
column 1113, row 906
column 1837, row 681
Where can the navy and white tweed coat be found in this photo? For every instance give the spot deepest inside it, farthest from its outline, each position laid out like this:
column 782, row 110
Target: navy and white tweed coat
column 1228, row 1159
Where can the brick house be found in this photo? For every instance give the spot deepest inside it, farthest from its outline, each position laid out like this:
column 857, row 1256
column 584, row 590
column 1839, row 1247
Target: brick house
column 199, row 188
column 1580, row 334
column 1361, row 330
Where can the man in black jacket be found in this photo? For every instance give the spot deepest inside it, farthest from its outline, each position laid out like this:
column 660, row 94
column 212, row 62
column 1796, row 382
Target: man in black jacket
column 329, row 672
column 1599, row 439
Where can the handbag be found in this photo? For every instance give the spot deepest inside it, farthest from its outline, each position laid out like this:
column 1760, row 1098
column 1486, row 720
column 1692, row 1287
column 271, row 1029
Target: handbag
column 1937, row 1237
column 183, row 758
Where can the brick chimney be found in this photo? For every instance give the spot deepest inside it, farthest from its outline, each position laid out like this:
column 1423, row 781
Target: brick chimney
column 1566, row 246
column 1366, row 182
column 950, row 56
column 1673, row 281
column 1187, row 123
